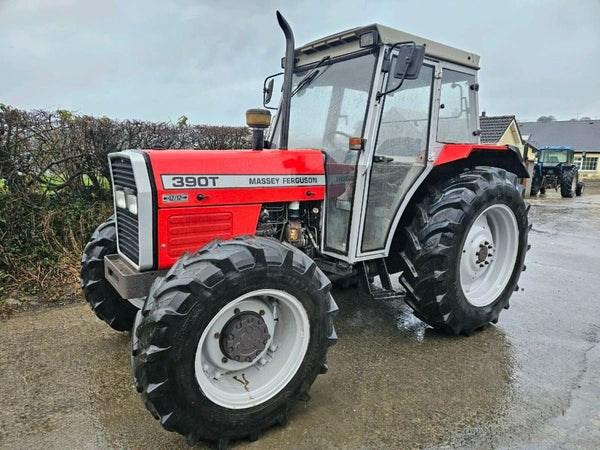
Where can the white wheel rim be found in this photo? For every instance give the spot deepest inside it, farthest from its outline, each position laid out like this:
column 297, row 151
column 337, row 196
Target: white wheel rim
column 489, row 255
column 236, row 385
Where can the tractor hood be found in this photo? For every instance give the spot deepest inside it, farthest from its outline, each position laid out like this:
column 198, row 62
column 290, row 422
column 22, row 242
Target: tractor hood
column 227, row 177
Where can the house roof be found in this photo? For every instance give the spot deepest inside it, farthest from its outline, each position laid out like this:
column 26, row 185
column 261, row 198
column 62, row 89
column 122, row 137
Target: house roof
column 493, row 127
column 583, row 135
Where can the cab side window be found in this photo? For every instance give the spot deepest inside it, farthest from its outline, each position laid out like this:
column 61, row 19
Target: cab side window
column 457, row 117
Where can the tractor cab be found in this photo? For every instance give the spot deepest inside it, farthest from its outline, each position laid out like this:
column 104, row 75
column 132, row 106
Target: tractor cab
column 382, row 105
column 556, row 156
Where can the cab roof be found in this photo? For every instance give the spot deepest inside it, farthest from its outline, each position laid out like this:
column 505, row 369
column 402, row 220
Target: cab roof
column 345, row 42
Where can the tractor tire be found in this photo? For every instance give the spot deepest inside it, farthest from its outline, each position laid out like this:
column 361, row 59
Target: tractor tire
column 108, row 305
column 186, row 339
column 534, row 191
column 580, row 188
column 568, row 184
column 465, row 250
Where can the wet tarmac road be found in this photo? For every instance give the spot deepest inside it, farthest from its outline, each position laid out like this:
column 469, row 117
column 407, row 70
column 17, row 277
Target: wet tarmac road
column 532, row 381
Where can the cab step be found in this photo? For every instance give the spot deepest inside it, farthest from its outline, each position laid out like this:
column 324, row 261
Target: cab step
column 379, row 267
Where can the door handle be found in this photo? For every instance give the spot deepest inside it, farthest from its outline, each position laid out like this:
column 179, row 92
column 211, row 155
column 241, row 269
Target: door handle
column 380, row 159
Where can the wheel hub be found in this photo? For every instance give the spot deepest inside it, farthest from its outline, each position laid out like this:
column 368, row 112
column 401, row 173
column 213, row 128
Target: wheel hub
column 484, row 254
column 244, row 336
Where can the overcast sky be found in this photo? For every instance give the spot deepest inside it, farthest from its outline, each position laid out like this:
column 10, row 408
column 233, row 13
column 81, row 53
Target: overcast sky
column 158, row 60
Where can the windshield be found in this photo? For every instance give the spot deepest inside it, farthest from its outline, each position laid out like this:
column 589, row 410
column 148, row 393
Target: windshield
column 553, row 156
column 330, row 107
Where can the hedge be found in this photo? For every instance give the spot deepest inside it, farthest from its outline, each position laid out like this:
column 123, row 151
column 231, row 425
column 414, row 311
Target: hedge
column 54, row 187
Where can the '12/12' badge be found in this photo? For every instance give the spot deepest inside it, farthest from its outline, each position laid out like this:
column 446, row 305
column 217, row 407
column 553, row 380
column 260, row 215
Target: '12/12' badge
column 173, row 198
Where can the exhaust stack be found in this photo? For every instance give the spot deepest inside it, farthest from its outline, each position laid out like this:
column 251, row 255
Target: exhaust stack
column 287, row 80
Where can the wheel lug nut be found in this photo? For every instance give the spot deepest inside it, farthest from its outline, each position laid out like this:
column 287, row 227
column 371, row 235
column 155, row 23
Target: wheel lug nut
column 236, row 310
column 223, row 360
column 217, row 335
column 486, row 262
column 489, row 254
column 480, row 265
column 262, row 312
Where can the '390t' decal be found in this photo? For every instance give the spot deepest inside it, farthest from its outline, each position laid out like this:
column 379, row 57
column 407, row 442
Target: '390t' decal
column 240, row 181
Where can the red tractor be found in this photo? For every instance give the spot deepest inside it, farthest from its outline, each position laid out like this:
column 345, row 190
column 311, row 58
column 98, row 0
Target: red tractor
column 221, row 262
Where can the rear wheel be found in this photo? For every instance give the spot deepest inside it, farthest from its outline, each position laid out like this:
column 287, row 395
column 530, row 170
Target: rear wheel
column 465, row 250
column 568, row 184
column 232, row 337
column 105, row 301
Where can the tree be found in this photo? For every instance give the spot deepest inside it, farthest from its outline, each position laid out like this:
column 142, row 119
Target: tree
column 182, row 122
column 549, row 118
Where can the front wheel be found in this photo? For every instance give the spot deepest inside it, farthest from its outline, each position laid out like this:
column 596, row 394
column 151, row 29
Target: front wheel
column 232, row 337
column 465, row 250
column 104, row 300
column 534, row 190
column 580, row 188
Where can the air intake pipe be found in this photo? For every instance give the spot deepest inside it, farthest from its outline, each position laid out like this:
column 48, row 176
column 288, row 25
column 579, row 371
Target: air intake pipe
column 288, row 70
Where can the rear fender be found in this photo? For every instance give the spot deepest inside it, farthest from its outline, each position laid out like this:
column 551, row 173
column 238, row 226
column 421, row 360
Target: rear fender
column 506, row 157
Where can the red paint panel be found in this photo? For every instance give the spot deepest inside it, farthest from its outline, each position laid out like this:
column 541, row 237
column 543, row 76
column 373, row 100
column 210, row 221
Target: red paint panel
column 454, row 152
column 183, row 230
column 237, row 162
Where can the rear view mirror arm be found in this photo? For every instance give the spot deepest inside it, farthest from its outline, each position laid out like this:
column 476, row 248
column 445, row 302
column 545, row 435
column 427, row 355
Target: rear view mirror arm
column 389, row 55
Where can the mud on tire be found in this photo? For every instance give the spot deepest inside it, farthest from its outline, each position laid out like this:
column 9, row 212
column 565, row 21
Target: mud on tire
column 434, row 243
column 99, row 293
column 181, row 305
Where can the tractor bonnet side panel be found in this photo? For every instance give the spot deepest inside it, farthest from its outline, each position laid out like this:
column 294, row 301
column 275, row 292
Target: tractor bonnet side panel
column 208, row 194
column 225, row 177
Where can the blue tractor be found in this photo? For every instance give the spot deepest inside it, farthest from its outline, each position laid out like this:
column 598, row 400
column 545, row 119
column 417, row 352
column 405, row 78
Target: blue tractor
column 556, row 169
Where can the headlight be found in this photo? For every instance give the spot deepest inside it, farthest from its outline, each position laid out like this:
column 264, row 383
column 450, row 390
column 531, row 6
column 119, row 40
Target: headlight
column 132, row 204
column 120, row 199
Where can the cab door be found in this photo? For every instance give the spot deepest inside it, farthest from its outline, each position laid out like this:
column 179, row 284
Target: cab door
column 399, row 156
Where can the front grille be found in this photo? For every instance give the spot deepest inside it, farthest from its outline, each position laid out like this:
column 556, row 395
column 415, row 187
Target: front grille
column 127, row 227
column 127, row 224
column 123, row 173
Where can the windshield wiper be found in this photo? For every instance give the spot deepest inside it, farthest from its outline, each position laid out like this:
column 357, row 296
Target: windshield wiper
column 309, row 77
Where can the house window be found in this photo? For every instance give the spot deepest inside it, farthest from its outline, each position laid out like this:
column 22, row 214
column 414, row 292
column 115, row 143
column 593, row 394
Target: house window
column 587, row 164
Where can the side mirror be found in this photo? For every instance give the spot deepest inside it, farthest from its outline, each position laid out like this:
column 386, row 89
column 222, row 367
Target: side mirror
column 268, row 89
column 268, row 92
column 409, row 62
